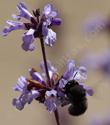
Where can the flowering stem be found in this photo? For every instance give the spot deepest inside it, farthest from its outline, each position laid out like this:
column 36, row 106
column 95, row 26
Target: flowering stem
column 48, row 77
column 45, row 61
column 57, row 116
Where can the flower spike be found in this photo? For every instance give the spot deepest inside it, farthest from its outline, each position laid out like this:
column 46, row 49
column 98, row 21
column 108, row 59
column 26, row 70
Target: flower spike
column 39, row 25
column 54, row 96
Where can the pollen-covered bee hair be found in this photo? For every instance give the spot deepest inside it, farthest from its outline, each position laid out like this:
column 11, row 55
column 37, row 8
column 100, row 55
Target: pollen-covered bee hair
column 77, row 97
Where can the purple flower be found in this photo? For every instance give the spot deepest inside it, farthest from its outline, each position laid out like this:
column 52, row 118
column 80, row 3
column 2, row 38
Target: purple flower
column 33, row 88
column 28, row 39
column 51, row 101
column 53, row 95
column 49, row 11
column 70, row 69
column 78, row 74
column 36, row 76
column 95, row 25
column 23, row 12
column 38, row 27
column 50, row 38
column 26, row 95
column 13, row 25
column 104, row 63
column 51, row 15
column 21, row 84
column 51, row 69
column 89, row 90
column 99, row 62
column 72, row 72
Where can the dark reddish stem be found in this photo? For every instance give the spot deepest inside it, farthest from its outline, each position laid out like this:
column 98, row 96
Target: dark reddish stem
column 45, row 61
column 57, row 116
column 48, row 77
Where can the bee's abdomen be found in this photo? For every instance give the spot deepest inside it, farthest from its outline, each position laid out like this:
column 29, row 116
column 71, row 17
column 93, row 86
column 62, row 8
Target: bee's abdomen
column 78, row 109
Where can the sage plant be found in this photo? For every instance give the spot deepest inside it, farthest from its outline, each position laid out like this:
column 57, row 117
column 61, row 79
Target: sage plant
column 49, row 87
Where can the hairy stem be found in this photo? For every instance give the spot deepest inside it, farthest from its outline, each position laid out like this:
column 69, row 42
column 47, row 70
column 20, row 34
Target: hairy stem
column 48, row 77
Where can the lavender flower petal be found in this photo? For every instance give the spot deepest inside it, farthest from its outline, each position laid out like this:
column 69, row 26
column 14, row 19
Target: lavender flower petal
column 50, row 67
column 51, row 93
column 62, row 83
column 17, row 17
column 30, row 96
column 17, row 103
column 36, row 76
column 23, row 11
column 51, row 101
column 26, row 97
column 49, row 11
column 14, row 25
column 21, row 84
column 28, row 39
column 88, row 89
column 50, row 39
column 35, row 94
column 56, row 21
column 45, row 29
column 70, row 69
column 53, row 14
column 80, row 74
column 50, row 104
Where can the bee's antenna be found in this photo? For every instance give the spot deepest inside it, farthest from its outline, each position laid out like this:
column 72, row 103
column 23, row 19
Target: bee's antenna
column 75, row 74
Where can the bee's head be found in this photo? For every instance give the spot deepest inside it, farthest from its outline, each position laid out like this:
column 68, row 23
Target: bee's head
column 70, row 85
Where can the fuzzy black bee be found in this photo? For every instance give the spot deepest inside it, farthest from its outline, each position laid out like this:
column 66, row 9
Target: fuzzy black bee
column 77, row 96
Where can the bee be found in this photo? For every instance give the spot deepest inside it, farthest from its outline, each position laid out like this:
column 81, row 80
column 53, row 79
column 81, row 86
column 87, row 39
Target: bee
column 77, row 97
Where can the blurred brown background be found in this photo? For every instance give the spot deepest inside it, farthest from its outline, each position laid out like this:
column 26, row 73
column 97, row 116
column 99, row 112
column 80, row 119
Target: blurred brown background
column 71, row 43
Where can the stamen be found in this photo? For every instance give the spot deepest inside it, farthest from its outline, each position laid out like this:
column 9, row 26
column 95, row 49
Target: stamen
column 35, row 84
